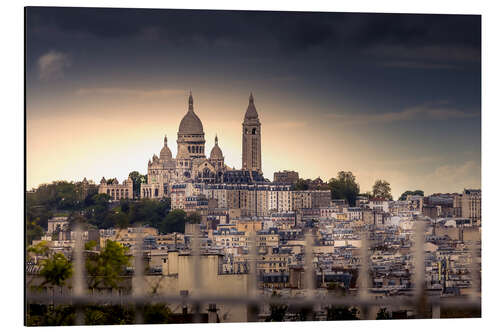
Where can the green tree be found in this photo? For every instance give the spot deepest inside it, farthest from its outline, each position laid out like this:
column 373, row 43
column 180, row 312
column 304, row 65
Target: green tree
column 41, row 315
column 336, row 288
column 137, row 180
column 341, row 313
column 125, row 206
column 97, row 211
column 120, row 220
column 174, row 222
column 382, row 189
column 56, row 270
column 407, row 193
column 193, row 218
column 301, row 185
column 59, row 195
column 33, row 232
column 344, row 187
column 156, row 314
column 383, row 314
column 106, row 267
column 148, row 212
column 40, row 249
column 367, row 194
column 109, row 315
column 277, row 310
column 76, row 219
column 37, row 214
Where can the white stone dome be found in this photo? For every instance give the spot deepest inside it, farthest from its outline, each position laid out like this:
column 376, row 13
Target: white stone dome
column 165, row 153
column 190, row 123
column 216, row 152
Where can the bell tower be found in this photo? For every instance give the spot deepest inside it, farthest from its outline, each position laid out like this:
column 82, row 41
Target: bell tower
column 251, row 153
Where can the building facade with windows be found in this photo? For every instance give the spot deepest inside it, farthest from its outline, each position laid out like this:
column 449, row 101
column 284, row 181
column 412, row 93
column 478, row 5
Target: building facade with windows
column 191, row 163
column 117, row 191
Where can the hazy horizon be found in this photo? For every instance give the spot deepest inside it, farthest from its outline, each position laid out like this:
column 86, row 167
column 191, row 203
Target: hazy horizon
column 386, row 96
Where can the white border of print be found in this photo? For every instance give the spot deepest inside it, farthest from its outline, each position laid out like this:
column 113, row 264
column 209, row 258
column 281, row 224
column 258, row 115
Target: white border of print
column 13, row 156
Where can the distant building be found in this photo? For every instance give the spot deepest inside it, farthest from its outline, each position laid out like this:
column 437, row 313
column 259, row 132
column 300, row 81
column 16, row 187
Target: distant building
column 191, row 163
column 286, row 177
column 196, row 203
column 379, row 204
column 117, row 191
column 339, row 204
column 58, row 223
column 310, row 199
column 318, row 184
column 471, row 205
column 86, row 188
column 415, row 202
column 362, row 201
column 251, row 152
column 431, row 211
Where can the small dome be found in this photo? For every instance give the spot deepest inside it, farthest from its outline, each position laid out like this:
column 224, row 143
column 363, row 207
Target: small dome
column 216, row 152
column 190, row 123
column 251, row 111
column 165, row 153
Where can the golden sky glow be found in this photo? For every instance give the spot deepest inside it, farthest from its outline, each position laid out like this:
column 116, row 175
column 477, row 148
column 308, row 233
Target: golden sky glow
column 334, row 91
column 114, row 135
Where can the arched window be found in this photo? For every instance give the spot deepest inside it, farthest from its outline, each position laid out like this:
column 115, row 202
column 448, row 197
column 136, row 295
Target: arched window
column 206, row 173
column 253, row 130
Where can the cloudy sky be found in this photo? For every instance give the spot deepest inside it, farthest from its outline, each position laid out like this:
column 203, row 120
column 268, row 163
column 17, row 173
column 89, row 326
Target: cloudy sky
column 396, row 97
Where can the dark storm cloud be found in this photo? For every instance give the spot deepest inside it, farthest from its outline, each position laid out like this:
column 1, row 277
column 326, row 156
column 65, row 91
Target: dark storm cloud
column 418, row 29
column 376, row 77
column 288, row 30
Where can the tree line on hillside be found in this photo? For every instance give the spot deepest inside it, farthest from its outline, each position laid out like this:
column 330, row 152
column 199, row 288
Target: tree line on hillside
column 96, row 210
column 61, row 197
column 345, row 187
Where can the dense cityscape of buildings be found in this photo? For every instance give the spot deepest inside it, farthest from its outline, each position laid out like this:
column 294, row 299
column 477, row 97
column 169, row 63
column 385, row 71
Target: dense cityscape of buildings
column 239, row 208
